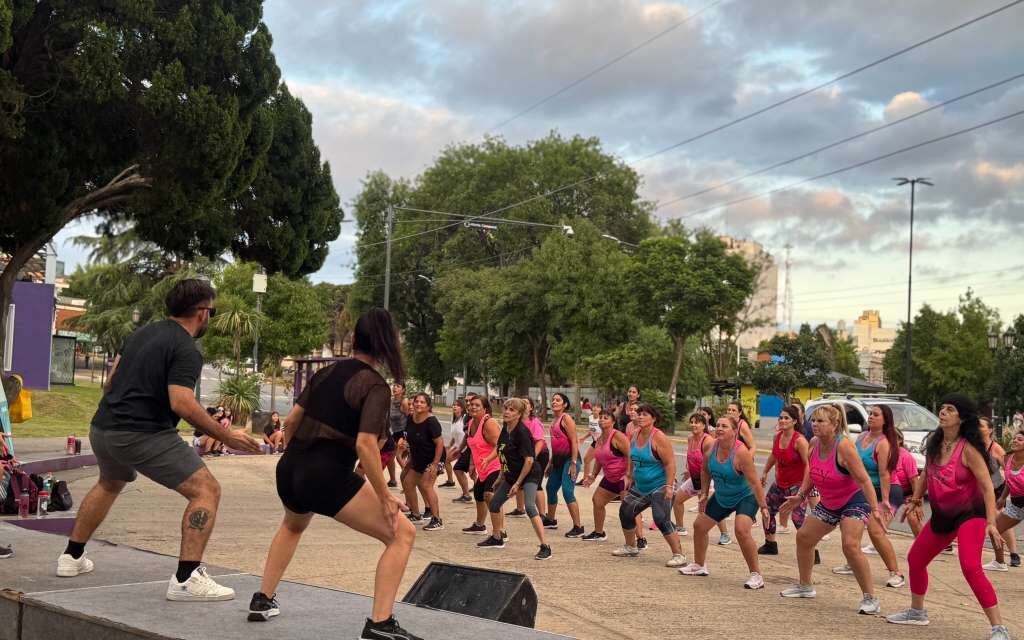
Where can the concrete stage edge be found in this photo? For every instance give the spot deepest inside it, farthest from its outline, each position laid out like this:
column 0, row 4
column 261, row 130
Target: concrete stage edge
column 124, row 599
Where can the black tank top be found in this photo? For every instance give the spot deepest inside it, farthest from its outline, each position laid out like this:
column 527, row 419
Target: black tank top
column 328, row 402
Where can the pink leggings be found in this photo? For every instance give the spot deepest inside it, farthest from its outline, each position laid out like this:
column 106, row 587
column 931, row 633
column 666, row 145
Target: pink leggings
column 971, row 538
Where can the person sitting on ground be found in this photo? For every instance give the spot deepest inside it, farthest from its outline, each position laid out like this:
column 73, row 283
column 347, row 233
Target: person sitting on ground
column 273, row 434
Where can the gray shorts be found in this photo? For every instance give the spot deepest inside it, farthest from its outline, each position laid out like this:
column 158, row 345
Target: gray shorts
column 163, row 456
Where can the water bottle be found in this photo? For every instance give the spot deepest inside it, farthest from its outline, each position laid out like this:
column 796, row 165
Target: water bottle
column 44, row 503
column 70, row 449
column 23, row 501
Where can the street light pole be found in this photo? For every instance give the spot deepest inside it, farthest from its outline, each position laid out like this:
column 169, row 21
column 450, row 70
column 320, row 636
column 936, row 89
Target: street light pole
column 387, row 256
column 913, row 182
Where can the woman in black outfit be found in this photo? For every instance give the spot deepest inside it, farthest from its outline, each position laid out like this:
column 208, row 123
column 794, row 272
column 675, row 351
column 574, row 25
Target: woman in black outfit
column 426, row 451
column 341, row 417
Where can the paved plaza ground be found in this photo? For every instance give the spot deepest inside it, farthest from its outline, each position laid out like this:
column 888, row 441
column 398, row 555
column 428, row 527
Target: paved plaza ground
column 583, row 590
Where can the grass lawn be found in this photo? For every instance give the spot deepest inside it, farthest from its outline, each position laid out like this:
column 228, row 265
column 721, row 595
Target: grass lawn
column 64, row 410
column 61, row 411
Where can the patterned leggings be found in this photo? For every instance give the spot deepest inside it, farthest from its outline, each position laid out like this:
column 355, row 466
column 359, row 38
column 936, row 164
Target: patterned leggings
column 775, row 499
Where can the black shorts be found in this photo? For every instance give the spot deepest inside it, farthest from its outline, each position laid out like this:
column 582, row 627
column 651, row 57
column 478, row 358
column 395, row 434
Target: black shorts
column 480, row 487
column 317, row 477
column 420, row 463
column 462, row 464
column 542, row 463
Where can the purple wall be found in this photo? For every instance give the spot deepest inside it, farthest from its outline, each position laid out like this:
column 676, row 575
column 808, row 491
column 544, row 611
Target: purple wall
column 33, row 333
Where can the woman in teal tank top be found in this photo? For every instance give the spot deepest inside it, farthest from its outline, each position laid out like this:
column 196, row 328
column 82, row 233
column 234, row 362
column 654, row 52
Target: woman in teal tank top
column 652, row 467
column 737, row 490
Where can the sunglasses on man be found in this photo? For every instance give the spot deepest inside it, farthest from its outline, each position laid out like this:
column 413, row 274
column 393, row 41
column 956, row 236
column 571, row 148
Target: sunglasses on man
column 212, row 310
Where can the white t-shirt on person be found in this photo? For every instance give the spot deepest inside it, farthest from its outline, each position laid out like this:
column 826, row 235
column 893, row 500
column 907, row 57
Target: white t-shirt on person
column 458, row 430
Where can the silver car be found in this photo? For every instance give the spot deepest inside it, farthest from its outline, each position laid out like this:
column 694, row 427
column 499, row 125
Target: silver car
column 912, row 419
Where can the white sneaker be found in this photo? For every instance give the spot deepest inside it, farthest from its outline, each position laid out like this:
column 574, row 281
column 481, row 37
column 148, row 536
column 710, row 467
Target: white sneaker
column 626, row 551
column 869, row 550
column 68, row 567
column 676, row 560
column 781, row 531
column 842, row 570
column 694, row 569
column 995, row 565
column 869, row 606
column 199, row 587
column 896, row 580
column 755, row 581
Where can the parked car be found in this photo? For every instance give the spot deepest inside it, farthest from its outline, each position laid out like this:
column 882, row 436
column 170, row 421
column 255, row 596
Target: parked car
column 912, row 419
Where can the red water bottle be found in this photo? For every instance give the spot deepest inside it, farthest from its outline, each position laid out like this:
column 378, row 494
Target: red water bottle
column 70, row 449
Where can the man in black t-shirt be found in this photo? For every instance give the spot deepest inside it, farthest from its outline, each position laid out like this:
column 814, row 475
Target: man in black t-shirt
column 151, row 387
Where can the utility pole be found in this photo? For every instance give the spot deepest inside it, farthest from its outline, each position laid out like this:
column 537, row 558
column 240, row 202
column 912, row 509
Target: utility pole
column 913, row 182
column 387, row 256
column 259, row 287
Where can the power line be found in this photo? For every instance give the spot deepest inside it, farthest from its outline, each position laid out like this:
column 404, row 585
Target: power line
column 477, row 217
column 924, row 279
column 841, row 142
column 446, row 267
column 601, row 68
column 856, row 165
column 887, row 294
column 744, row 118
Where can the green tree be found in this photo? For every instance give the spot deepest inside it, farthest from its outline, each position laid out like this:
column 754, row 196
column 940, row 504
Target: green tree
column 236, row 319
column 1009, row 380
column 689, row 284
column 950, row 352
column 161, row 114
column 772, row 378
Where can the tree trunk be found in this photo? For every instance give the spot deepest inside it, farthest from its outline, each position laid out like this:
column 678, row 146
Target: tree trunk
column 273, row 388
column 680, row 342
column 116, row 192
column 539, row 371
column 487, row 381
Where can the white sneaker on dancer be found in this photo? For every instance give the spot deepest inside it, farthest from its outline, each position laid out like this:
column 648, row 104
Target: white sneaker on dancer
column 68, row 567
column 754, row 582
column 199, row 587
column 995, row 565
column 677, row 560
column 694, row 569
column 781, row 530
column 626, row 551
column 868, row 550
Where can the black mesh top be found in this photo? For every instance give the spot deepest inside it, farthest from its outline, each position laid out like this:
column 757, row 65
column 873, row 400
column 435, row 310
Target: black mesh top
column 342, row 400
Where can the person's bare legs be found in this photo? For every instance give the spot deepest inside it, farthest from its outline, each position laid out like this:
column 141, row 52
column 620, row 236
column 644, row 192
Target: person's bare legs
column 679, row 509
column 426, row 485
column 748, row 546
column 601, row 499
column 881, row 542
column 853, row 534
column 282, row 549
column 391, row 470
column 409, row 481
column 807, row 539
column 574, row 513
column 94, row 508
column 463, row 480
column 701, row 526
column 1005, row 525
column 203, row 494
column 364, row 514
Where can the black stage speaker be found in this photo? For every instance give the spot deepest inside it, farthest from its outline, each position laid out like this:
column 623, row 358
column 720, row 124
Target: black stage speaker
column 483, row 593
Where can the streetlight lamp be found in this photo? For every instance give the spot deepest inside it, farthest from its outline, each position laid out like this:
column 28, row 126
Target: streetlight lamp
column 913, row 182
column 259, row 287
column 1007, row 341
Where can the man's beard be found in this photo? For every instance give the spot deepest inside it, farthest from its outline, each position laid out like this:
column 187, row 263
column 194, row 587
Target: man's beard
column 202, row 330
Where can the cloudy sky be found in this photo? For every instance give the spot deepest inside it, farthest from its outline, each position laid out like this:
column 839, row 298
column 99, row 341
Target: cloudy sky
column 390, row 83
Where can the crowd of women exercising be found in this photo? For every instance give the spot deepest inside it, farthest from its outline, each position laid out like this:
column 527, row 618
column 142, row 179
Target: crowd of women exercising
column 822, row 480
column 339, row 445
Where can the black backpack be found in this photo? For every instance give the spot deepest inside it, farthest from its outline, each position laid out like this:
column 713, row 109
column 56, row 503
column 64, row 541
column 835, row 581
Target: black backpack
column 60, row 497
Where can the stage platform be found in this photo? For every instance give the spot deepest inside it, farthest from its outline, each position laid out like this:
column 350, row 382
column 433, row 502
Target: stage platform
column 123, row 598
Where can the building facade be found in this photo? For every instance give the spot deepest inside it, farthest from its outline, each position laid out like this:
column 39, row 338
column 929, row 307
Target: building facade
column 763, row 307
column 872, row 341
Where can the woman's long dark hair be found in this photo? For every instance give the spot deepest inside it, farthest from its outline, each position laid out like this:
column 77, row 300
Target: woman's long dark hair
column 743, row 415
column 377, row 337
column 793, row 413
column 970, row 430
column 889, row 431
column 430, row 403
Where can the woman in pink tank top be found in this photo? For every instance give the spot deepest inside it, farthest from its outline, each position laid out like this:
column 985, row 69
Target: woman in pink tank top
column 482, row 433
column 963, row 509
column 836, row 470
column 698, row 444
column 611, row 455
column 1012, row 499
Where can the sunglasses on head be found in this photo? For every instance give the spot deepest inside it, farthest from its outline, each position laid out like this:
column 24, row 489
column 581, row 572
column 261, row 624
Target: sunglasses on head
column 212, row 310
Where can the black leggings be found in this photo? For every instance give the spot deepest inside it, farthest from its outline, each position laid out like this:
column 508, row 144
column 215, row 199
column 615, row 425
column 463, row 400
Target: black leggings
column 636, row 503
